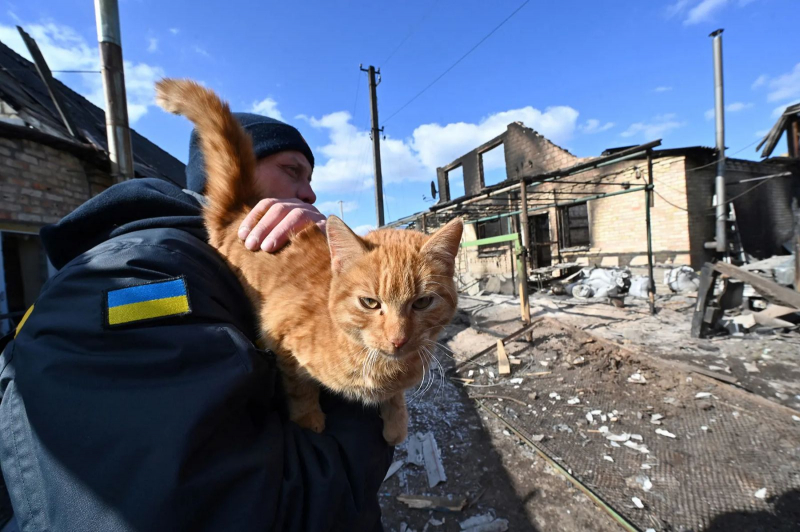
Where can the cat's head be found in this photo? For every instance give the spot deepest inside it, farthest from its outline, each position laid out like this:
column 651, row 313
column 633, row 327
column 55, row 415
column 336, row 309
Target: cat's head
column 393, row 290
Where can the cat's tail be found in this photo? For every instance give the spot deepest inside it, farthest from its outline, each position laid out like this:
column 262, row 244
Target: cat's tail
column 227, row 148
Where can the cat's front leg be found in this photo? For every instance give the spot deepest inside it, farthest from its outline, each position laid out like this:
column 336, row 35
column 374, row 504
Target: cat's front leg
column 302, row 395
column 395, row 419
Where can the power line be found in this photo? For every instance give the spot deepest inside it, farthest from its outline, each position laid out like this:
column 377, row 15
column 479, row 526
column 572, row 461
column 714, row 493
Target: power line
column 451, row 67
column 410, row 33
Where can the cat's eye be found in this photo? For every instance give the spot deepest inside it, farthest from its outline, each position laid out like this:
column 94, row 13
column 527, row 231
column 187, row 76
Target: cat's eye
column 422, row 303
column 368, row 302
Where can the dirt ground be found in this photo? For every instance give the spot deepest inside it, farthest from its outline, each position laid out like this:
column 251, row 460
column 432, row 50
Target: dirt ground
column 485, row 463
column 500, row 475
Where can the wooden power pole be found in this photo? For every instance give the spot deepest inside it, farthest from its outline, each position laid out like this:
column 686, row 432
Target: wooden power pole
column 375, row 134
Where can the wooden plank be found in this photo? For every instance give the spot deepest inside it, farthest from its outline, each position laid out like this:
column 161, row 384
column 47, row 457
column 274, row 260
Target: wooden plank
column 503, row 365
column 513, row 336
column 769, row 289
column 47, row 80
column 705, row 292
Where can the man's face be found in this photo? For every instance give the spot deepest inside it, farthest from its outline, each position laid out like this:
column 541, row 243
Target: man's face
column 285, row 175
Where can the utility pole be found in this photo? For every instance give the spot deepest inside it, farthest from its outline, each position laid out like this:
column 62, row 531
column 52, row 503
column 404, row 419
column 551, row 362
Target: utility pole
column 341, row 210
column 120, row 149
column 376, row 140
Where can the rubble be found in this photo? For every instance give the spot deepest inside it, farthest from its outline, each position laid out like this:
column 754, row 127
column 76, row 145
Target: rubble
column 637, row 378
column 484, row 523
column 426, row 502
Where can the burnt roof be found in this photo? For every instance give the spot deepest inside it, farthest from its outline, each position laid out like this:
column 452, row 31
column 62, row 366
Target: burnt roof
column 23, row 89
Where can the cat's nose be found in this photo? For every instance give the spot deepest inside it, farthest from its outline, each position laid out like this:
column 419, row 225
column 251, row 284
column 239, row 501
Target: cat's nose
column 399, row 342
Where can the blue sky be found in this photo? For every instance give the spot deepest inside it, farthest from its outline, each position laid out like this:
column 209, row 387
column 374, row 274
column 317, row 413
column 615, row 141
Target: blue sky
column 587, row 75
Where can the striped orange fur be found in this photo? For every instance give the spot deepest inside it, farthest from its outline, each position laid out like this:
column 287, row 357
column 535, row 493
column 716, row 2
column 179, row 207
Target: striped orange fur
column 315, row 296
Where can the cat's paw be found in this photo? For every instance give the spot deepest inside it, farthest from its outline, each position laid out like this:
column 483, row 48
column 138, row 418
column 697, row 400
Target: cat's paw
column 314, row 420
column 395, row 431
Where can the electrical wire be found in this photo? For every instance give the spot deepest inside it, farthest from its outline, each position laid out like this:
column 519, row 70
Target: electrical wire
column 410, row 33
column 451, row 67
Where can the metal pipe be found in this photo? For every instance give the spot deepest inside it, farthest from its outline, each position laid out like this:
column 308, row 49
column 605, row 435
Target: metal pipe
column 120, row 148
column 648, row 195
column 719, row 112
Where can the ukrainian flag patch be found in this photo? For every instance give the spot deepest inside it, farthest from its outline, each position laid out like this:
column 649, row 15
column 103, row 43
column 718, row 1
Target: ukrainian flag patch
column 146, row 302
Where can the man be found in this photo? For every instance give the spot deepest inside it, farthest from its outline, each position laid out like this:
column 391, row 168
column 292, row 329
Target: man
column 132, row 396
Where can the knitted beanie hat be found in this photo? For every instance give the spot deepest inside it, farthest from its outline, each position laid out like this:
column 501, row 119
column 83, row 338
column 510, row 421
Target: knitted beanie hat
column 269, row 136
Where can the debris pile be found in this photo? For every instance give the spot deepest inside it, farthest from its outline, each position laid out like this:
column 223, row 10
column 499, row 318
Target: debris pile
column 752, row 298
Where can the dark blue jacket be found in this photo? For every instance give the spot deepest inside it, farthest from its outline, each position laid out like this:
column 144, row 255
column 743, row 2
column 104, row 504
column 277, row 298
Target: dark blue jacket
column 176, row 423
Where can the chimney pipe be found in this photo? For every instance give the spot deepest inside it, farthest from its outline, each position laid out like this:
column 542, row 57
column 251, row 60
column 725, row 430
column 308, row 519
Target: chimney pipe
column 719, row 113
column 120, row 149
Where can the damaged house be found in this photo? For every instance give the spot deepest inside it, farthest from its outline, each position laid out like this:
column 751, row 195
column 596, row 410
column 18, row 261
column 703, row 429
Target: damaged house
column 593, row 211
column 53, row 157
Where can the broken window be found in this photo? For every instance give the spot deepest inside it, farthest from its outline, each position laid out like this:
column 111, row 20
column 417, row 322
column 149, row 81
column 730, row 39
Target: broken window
column 455, row 180
column 574, row 226
column 493, row 165
column 23, row 270
column 488, row 229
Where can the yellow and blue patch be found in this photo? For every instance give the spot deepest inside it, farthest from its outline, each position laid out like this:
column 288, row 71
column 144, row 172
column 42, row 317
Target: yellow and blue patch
column 146, row 302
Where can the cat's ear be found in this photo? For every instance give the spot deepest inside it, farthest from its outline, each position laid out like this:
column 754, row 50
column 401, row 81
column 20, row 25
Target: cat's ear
column 345, row 245
column 443, row 244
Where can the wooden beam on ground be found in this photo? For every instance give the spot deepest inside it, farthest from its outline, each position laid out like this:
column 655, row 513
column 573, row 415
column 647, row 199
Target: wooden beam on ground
column 701, row 323
column 511, row 337
column 770, row 289
column 503, row 364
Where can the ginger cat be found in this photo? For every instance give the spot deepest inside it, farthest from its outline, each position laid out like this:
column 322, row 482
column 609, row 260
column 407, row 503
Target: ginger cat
column 357, row 315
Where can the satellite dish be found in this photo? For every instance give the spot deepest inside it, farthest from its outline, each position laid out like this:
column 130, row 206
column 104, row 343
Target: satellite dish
column 433, row 190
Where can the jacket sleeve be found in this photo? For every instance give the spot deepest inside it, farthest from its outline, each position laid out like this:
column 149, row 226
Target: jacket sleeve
column 176, row 423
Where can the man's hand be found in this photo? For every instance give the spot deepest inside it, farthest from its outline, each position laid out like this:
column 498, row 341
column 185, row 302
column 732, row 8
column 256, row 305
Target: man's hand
column 271, row 221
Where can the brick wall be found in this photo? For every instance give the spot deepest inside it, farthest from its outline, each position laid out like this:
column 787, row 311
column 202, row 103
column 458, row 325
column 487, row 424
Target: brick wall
column 617, row 224
column 526, row 153
column 40, row 184
column 529, row 153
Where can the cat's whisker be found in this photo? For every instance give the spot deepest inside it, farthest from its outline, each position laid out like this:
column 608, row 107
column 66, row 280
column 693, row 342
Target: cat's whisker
column 439, row 348
column 418, row 392
column 441, row 372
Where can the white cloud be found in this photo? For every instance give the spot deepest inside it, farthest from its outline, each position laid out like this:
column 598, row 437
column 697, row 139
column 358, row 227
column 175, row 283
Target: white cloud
column 593, row 126
column 174, row 31
column 677, row 7
column 201, row 51
column 761, row 80
column 152, row 44
column 785, row 86
column 734, row 107
column 703, row 11
column 658, row 128
column 348, row 152
column 662, row 89
column 362, row 230
column 332, row 207
column 778, row 111
column 438, row 145
column 267, row 107
column 64, row 49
